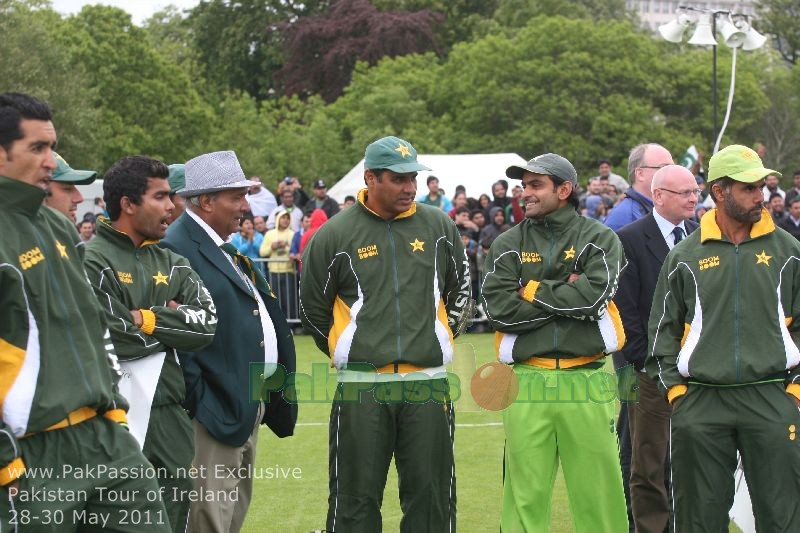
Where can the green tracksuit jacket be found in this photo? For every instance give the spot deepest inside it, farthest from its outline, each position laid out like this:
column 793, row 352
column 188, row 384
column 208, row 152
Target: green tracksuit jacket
column 56, row 354
column 725, row 314
column 562, row 324
column 380, row 292
column 146, row 278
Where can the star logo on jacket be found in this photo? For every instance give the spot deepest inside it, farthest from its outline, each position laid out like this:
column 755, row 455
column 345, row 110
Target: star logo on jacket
column 62, row 250
column 160, row 278
column 417, row 245
column 569, row 254
column 403, row 149
column 763, row 258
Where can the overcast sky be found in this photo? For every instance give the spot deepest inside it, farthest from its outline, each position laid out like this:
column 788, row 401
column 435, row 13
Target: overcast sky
column 139, row 9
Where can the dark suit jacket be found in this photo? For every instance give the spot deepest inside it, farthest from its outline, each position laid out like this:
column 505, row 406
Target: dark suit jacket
column 645, row 250
column 223, row 381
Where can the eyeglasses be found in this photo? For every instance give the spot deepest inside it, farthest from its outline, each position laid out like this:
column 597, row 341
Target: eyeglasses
column 684, row 194
column 654, row 168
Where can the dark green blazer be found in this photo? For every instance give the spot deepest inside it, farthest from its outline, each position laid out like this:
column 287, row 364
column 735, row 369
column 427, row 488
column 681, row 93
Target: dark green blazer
column 223, row 380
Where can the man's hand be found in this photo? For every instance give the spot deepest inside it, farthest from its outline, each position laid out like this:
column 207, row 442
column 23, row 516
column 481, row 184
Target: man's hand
column 137, row 318
column 573, row 277
column 172, row 304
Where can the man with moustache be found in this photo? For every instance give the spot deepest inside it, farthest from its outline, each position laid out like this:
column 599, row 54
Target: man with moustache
column 723, row 348
column 547, row 292
column 383, row 292
column 252, row 343
column 155, row 304
column 177, row 181
column 62, row 195
column 646, row 243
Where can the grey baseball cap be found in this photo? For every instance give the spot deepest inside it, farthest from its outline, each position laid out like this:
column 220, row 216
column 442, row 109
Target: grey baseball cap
column 549, row 164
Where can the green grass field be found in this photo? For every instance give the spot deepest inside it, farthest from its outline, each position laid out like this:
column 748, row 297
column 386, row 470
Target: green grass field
column 296, row 498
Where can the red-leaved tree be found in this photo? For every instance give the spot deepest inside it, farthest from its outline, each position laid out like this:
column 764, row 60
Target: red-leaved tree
column 321, row 51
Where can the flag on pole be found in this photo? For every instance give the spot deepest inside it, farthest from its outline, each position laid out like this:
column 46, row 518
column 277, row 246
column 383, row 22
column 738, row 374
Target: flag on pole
column 689, row 159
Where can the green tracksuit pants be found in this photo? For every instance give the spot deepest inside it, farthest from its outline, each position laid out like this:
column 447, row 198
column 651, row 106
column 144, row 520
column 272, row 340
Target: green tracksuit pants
column 90, row 477
column 564, row 416
column 412, row 420
column 708, row 425
column 169, row 446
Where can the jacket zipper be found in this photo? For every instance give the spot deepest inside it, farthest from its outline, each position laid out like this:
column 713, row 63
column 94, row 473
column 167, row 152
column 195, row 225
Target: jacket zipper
column 70, row 338
column 396, row 290
column 548, row 264
column 736, row 347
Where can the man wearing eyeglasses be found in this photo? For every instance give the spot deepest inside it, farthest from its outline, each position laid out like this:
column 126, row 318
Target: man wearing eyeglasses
column 643, row 161
column 646, row 243
column 724, row 329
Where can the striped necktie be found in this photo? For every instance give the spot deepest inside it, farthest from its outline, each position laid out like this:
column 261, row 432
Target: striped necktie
column 246, row 265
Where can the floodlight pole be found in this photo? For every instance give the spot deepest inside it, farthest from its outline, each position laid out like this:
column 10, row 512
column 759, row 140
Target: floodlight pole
column 714, row 78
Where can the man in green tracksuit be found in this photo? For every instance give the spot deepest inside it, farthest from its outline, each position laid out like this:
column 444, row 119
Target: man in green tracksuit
column 66, row 461
column 384, row 289
column 547, row 292
column 724, row 350
column 155, row 304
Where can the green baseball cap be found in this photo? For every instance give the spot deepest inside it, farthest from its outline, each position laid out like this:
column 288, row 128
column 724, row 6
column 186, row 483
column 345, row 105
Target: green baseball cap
column 66, row 174
column 547, row 164
column 177, row 177
column 739, row 163
column 392, row 153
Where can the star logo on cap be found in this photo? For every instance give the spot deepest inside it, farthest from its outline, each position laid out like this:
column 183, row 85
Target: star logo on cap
column 62, row 250
column 403, row 149
column 417, row 246
column 569, row 254
column 763, row 258
column 160, row 278
column 749, row 155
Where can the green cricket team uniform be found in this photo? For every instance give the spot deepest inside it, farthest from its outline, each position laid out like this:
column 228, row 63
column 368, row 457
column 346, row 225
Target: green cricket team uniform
column 724, row 351
column 382, row 298
column 60, row 408
column 556, row 337
column 147, row 278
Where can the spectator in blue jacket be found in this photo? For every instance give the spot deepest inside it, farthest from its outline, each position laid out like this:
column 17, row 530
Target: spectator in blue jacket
column 643, row 161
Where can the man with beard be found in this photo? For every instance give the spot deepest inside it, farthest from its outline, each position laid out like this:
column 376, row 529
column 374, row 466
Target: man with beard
column 723, row 347
column 547, row 292
column 155, row 304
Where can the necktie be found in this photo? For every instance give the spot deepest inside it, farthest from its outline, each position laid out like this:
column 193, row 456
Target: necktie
column 247, row 267
column 677, row 232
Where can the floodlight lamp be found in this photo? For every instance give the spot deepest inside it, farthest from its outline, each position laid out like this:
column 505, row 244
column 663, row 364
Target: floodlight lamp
column 732, row 36
column 703, row 35
column 673, row 30
column 752, row 39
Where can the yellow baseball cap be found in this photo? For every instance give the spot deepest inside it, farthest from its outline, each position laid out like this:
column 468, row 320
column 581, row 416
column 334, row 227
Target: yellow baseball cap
column 739, row 163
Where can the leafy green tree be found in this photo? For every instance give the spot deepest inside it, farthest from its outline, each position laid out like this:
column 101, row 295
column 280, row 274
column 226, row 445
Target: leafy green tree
column 564, row 85
column 238, row 44
column 32, row 61
column 517, row 13
column 779, row 18
column 147, row 103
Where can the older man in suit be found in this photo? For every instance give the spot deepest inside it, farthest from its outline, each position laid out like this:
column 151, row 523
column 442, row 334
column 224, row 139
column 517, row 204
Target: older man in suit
column 252, row 342
column 646, row 243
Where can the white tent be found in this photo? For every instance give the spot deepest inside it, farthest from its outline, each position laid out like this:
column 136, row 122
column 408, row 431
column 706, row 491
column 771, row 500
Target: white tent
column 476, row 172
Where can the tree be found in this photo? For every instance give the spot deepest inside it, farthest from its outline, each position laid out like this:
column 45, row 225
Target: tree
column 147, row 103
column 517, row 13
column 322, row 51
column 566, row 85
column 32, row 62
column 779, row 19
column 238, row 44
column 779, row 127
